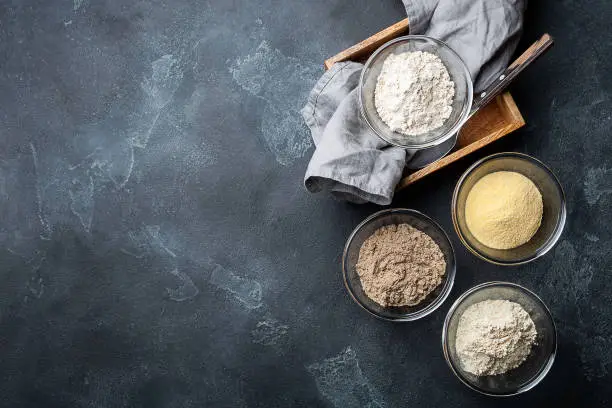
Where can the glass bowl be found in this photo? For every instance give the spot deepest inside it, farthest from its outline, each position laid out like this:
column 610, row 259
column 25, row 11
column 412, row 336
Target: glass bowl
column 553, row 218
column 351, row 255
column 533, row 369
column 457, row 70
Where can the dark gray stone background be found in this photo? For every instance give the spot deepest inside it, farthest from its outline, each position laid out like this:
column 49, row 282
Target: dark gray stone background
column 158, row 248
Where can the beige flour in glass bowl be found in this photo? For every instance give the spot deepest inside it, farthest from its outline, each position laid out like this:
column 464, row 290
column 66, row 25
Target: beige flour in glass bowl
column 390, row 309
column 509, row 377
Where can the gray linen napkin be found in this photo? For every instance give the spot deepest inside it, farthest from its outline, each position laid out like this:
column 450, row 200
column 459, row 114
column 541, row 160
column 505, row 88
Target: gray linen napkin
column 350, row 161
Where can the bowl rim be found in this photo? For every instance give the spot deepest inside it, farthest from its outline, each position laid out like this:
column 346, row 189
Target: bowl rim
column 448, row 285
column 550, row 242
column 544, row 370
column 466, row 110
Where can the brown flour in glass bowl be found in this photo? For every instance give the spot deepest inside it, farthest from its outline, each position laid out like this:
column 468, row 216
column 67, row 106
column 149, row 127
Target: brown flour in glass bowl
column 394, row 217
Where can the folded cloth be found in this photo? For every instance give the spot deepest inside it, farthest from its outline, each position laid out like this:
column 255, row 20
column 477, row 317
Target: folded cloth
column 350, row 161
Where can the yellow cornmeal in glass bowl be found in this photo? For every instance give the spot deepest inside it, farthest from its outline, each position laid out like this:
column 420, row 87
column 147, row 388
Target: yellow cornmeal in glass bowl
column 503, row 210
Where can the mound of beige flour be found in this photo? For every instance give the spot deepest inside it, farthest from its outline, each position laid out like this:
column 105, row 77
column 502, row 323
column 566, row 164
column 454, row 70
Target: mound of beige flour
column 493, row 337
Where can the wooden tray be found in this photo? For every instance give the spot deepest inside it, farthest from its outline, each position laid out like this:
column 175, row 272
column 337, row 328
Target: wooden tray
column 492, row 122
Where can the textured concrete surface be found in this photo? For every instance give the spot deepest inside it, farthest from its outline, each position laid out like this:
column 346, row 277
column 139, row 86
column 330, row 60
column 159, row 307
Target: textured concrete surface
column 158, row 249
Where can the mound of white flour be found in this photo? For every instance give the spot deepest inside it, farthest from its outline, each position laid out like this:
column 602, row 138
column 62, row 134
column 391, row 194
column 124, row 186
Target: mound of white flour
column 414, row 92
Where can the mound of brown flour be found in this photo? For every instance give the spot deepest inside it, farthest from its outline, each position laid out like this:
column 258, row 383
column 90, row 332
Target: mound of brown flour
column 399, row 265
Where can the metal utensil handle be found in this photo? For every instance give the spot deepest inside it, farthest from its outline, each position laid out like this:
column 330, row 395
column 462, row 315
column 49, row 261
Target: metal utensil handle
column 531, row 54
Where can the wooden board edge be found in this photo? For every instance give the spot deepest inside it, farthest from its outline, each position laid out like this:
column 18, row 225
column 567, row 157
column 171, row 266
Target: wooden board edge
column 509, row 109
column 451, row 158
column 369, row 44
column 508, row 105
